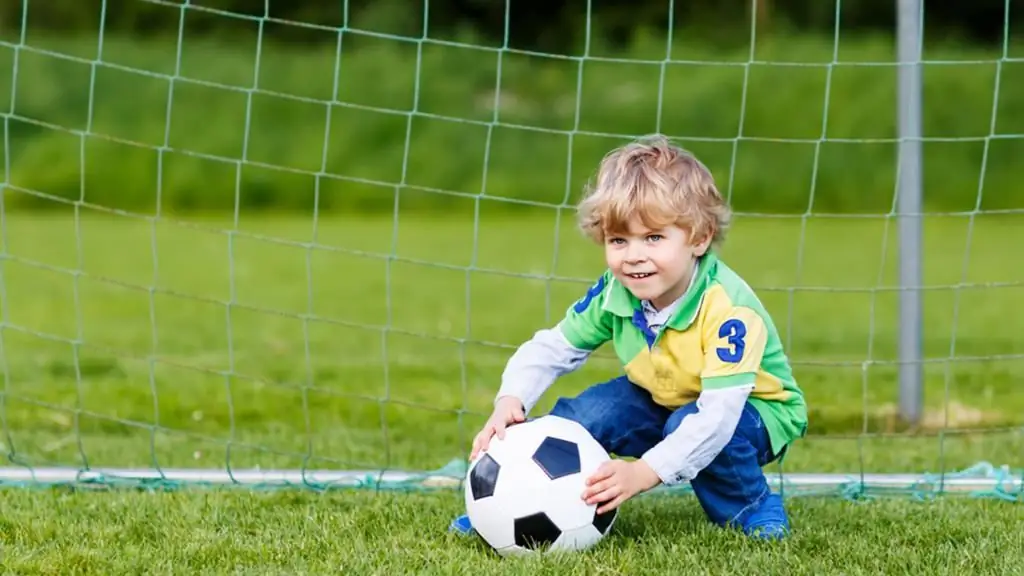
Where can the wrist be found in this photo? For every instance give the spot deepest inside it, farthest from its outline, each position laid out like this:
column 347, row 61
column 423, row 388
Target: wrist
column 648, row 477
column 509, row 399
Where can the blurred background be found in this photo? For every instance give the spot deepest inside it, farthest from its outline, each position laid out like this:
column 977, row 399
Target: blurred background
column 257, row 240
column 801, row 84
column 309, row 233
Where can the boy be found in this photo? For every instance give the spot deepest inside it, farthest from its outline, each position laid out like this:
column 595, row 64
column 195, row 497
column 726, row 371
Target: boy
column 708, row 395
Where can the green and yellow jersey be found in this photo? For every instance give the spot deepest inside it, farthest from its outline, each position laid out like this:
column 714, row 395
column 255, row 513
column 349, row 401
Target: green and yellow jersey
column 719, row 336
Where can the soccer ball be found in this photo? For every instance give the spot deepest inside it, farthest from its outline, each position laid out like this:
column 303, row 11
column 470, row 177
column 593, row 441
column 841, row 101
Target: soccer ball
column 524, row 493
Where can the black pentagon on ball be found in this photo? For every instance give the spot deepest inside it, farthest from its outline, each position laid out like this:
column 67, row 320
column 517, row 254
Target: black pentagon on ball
column 603, row 521
column 535, row 530
column 557, row 457
column 484, row 477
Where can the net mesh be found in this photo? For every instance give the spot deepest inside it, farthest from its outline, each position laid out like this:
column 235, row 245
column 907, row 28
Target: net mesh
column 235, row 262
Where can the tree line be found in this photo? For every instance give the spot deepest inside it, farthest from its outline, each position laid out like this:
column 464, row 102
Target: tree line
column 531, row 24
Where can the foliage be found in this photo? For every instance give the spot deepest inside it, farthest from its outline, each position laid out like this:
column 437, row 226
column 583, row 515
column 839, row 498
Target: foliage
column 795, row 147
column 537, row 25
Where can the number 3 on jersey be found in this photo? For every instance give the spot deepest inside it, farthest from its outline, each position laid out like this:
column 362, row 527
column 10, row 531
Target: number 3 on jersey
column 733, row 331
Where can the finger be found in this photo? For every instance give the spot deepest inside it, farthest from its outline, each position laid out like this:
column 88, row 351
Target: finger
column 612, row 504
column 602, row 473
column 485, row 437
column 499, row 430
column 608, row 494
column 597, row 488
column 518, row 415
column 477, row 446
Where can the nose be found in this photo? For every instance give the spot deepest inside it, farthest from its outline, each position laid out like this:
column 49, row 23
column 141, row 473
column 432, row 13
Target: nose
column 635, row 252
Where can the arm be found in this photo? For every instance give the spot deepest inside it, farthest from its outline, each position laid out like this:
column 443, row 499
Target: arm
column 535, row 366
column 734, row 341
column 554, row 352
column 700, row 437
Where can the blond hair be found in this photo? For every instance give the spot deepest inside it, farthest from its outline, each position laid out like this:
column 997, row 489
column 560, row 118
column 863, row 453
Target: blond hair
column 659, row 183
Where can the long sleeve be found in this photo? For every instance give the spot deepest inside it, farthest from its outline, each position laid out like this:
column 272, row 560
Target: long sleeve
column 700, row 437
column 537, row 363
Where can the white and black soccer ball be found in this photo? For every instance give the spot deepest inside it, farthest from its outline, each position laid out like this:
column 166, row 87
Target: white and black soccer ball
column 524, row 493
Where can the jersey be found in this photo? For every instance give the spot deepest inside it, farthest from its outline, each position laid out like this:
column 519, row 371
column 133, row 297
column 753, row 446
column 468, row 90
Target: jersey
column 719, row 336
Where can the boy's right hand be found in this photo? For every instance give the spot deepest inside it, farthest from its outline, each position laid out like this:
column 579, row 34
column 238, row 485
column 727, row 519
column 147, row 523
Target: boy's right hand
column 507, row 410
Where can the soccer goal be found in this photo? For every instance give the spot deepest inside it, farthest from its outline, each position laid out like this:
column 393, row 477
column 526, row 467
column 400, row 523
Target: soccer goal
column 258, row 252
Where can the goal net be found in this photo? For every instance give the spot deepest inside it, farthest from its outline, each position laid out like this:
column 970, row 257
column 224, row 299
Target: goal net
column 244, row 249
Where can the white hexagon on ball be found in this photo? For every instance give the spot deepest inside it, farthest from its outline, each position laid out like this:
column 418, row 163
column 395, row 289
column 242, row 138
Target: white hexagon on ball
column 523, row 494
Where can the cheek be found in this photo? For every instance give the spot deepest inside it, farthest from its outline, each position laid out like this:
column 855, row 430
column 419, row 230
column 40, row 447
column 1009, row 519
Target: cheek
column 673, row 258
column 612, row 256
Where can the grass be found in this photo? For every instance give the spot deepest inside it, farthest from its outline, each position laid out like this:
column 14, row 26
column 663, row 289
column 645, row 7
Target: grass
column 321, row 128
column 183, row 343
column 56, row 532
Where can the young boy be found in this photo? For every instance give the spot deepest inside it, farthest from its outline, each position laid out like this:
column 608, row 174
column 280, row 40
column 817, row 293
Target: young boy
column 707, row 395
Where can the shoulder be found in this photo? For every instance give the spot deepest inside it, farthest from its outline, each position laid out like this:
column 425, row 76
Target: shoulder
column 730, row 306
column 727, row 290
column 595, row 295
column 588, row 322
column 734, row 285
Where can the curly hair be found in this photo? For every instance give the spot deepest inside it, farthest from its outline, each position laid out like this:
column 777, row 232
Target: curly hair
column 658, row 182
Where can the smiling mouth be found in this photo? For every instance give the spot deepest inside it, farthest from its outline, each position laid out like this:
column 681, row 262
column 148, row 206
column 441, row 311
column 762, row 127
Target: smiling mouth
column 640, row 276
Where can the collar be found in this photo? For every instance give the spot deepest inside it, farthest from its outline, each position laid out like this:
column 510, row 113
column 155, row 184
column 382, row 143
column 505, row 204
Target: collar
column 622, row 302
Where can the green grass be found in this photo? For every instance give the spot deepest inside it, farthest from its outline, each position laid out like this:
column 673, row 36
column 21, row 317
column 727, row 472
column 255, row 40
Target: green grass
column 525, row 143
column 121, row 349
column 132, row 533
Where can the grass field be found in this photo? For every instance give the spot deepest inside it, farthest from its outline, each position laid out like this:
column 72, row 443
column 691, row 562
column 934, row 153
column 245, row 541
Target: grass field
column 172, row 344
column 301, row 533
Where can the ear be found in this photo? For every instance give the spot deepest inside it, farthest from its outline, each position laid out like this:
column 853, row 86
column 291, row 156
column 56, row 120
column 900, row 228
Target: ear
column 701, row 247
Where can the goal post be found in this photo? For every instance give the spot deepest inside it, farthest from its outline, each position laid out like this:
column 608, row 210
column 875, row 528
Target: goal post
column 238, row 261
column 910, row 37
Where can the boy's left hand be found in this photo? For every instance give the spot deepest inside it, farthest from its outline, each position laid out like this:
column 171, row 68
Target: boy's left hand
column 616, row 481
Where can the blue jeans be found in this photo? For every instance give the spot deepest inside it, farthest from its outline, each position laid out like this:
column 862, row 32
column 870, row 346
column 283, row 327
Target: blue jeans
column 732, row 489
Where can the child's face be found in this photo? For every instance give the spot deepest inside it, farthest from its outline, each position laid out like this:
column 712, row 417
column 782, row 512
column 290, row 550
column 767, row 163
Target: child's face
column 655, row 265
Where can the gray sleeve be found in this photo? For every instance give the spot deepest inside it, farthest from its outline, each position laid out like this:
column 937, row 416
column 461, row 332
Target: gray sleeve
column 700, row 437
column 537, row 363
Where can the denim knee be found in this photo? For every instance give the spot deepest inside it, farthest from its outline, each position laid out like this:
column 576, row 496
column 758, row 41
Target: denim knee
column 732, row 485
column 620, row 415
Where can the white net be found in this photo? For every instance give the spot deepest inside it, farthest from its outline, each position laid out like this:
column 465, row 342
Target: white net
column 239, row 260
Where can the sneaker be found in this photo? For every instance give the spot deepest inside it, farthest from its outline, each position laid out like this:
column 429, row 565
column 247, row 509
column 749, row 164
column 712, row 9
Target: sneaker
column 771, row 531
column 769, row 522
column 461, row 525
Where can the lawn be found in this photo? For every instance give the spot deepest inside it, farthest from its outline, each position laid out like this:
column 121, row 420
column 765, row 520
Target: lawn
column 303, row 533
column 285, row 342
